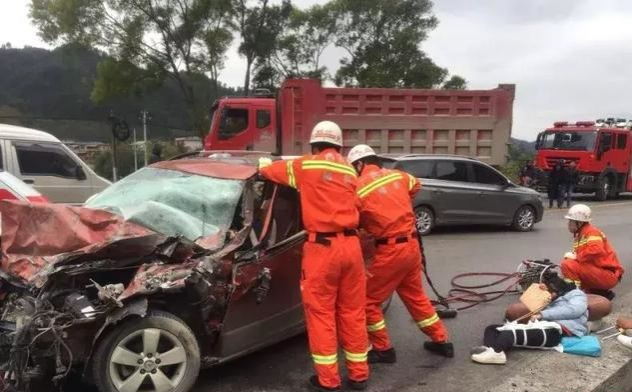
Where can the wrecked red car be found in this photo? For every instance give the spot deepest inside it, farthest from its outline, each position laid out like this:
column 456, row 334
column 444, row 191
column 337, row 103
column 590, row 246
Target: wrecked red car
column 182, row 265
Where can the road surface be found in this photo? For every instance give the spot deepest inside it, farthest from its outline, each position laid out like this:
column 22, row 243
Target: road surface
column 286, row 366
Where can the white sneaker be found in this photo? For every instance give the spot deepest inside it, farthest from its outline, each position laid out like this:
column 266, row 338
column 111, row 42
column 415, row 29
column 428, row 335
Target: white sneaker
column 489, row 356
column 625, row 340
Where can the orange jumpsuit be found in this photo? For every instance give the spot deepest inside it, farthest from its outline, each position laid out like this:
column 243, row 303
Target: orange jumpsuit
column 596, row 266
column 333, row 283
column 386, row 213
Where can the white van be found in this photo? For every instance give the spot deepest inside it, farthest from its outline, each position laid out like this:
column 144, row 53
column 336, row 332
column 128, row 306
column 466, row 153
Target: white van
column 42, row 161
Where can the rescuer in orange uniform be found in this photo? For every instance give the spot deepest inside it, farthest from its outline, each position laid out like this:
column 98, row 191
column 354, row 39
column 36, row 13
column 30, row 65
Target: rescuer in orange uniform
column 386, row 213
column 333, row 282
column 593, row 264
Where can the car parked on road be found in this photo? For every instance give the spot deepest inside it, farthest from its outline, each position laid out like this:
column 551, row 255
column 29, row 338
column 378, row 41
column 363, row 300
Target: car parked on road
column 184, row 264
column 464, row 191
column 44, row 162
column 12, row 188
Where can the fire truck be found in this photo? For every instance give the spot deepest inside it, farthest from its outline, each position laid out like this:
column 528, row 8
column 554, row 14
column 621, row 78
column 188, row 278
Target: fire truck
column 474, row 123
column 601, row 151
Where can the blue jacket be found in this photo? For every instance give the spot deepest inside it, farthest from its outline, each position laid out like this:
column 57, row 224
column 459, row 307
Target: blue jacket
column 570, row 311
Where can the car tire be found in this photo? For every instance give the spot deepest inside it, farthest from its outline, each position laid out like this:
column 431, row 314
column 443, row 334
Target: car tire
column 117, row 361
column 603, row 189
column 524, row 219
column 424, row 220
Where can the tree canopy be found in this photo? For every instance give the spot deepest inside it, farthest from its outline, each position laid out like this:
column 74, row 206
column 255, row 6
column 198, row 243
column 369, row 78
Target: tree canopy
column 144, row 45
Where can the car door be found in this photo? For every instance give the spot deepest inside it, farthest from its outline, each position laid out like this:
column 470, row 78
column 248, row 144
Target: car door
column 51, row 169
column 494, row 201
column 266, row 305
column 452, row 192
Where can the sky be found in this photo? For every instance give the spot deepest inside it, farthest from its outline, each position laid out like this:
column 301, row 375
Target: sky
column 570, row 59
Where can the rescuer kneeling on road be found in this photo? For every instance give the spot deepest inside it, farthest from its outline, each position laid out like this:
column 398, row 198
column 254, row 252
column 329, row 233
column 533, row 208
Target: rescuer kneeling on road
column 592, row 265
column 386, row 213
column 333, row 282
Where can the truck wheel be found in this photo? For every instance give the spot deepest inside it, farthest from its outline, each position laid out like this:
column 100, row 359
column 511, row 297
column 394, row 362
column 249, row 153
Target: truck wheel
column 524, row 219
column 603, row 189
column 424, row 220
column 156, row 353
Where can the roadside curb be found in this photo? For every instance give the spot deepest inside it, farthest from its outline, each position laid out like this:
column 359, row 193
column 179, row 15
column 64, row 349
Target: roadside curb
column 555, row 372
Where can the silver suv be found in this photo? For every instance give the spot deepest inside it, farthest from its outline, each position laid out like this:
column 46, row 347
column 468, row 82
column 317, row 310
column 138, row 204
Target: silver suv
column 462, row 191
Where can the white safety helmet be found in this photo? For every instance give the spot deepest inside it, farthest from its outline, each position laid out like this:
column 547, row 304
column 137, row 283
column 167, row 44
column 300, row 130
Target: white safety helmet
column 360, row 151
column 326, row 132
column 579, row 213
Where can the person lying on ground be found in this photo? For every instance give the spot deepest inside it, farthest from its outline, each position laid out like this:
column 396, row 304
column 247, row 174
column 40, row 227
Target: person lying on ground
column 566, row 315
column 598, row 308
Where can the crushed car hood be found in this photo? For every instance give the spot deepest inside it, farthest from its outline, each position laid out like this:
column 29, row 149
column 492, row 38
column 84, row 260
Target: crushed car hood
column 36, row 236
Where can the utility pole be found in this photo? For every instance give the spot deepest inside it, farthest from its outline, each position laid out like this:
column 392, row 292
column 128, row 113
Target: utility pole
column 135, row 152
column 113, row 120
column 145, row 118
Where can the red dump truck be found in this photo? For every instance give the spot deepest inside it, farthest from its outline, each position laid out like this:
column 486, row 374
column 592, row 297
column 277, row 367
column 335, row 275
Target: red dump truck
column 474, row 123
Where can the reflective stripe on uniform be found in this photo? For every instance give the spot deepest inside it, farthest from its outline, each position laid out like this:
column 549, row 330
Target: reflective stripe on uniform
column 584, row 241
column 329, row 166
column 429, row 321
column 373, row 185
column 325, row 359
column 411, row 182
column 377, row 326
column 355, row 357
column 290, row 174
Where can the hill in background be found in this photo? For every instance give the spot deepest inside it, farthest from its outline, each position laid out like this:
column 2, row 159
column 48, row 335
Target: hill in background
column 50, row 90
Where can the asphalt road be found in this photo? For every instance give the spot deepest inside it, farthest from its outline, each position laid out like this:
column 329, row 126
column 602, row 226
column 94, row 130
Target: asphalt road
column 286, row 366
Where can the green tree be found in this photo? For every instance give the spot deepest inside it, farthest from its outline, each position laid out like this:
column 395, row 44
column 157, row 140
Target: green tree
column 148, row 40
column 300, row 47
column 382, row 39
column 456, row 82
column 125, row 158
column 259, row 26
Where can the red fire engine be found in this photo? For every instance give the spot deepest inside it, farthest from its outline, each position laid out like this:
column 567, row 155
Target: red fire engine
column 601, row 150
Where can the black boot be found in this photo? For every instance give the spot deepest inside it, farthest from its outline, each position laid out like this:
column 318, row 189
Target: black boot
column 445, row 349
column 385, row 356
column 315, row 386
column 357, row 385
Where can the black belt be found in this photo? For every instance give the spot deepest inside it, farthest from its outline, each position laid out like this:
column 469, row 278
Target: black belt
column 324, row 238
column 393, row 240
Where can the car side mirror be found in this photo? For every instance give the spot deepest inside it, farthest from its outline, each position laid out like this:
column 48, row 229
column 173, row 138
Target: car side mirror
column 79, row 173
column 222, row 121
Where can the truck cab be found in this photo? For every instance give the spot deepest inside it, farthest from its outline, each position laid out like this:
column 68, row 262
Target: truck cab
column 601, row 151
column 240, row 123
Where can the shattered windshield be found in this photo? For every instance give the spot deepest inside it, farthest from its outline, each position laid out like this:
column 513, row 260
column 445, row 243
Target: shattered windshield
column 173, row 203
column 582, row 141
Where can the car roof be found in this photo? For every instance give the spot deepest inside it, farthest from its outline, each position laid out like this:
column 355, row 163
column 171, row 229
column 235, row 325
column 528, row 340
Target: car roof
column 235, row 165
column 404, row 156
column 15, row 132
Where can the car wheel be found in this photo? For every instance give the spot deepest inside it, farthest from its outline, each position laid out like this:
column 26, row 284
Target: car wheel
column 603, row 189
column 424, row 220
column 158, row 353
column 524, row 219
